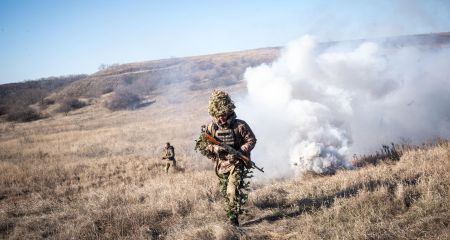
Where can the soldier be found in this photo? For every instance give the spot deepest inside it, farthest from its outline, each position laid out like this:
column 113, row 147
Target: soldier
column 169, row 155
column 231, row 171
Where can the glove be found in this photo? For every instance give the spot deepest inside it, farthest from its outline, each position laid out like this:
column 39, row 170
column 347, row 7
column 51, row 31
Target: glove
column 231, row 158
column 244, row 149
column 216, row 149
column 248, row 165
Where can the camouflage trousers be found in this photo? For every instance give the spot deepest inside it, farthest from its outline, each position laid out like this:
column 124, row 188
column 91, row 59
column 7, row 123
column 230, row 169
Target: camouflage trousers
column 170, row 163
column 234, row 189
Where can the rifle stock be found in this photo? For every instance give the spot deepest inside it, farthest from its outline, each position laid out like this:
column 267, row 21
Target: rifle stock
column 231, row 150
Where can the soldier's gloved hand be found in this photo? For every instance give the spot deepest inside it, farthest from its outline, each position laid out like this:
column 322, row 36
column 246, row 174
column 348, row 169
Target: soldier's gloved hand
column 244, row 148
column 248, row 165
column 216, row 149
column 231, row 158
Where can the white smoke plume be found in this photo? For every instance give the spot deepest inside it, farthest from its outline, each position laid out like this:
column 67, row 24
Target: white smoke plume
column 317, row 105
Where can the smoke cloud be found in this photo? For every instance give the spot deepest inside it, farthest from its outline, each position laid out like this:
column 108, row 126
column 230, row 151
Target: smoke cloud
column 317, row 105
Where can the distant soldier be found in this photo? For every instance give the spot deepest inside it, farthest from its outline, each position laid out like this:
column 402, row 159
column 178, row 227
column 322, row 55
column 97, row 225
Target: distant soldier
column 230, row 168
column 169, row 155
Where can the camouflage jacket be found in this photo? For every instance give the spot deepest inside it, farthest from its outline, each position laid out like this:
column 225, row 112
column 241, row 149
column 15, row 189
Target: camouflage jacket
column 169, row 153
column 243, row 138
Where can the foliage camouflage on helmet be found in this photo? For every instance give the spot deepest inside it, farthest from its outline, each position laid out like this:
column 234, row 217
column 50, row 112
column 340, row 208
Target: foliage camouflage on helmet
column 220, row 103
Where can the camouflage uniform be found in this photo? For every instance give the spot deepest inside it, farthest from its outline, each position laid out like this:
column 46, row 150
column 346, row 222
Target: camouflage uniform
column 231, row 171
column 169, row 155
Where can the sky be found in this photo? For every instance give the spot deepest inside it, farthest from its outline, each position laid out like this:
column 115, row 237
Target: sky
column 53, row 38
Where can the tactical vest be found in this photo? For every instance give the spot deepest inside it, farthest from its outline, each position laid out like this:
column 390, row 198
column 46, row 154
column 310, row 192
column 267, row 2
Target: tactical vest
column 226, row 136
column 170, row 151
column 229, row 136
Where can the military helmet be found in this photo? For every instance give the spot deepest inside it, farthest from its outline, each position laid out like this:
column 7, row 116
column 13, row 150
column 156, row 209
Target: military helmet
column 220, row 104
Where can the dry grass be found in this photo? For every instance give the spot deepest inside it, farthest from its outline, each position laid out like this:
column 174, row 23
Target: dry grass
column 408, row 199
column 96, row 174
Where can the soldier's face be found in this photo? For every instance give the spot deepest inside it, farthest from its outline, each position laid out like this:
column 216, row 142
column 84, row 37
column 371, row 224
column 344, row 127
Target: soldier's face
column 223, row 119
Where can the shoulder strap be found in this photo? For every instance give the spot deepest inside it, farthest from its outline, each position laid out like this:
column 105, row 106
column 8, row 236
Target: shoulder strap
column 212, row 128
column 235, row 128
column 237, row 135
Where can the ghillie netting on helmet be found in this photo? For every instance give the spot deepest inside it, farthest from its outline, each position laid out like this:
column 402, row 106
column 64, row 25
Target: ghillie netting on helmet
column 220, row 103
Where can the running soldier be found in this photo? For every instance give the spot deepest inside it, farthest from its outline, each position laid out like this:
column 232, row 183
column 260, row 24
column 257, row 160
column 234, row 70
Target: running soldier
column 231, row 170
column 169, row 155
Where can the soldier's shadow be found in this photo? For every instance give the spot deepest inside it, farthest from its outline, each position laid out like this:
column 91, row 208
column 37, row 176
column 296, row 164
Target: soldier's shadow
column 179, row 169
column 309, row 205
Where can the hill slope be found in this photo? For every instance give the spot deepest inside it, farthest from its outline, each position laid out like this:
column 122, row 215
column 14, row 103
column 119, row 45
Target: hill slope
column 147, row 78
column 21, row 95
column 202, row 72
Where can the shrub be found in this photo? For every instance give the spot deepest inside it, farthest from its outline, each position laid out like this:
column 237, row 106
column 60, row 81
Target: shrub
column 123, row 99
column 3, row 110
column 387, row 153
column 143, row 86
column 48, row 101
column 107, row 90
column 23, row 115
column 71, row 104
column 128, row 79
column 205, row 65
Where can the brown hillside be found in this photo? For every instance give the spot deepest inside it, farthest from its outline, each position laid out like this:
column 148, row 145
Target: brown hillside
column 198, row 73
column 145, row 80
column 204, row 72
column 15, row 96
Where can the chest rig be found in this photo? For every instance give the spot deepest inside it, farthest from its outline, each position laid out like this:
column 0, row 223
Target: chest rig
column 227, row 135
column 170, row 152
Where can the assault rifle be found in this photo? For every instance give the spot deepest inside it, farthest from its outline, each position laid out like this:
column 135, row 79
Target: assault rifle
column 231, row 150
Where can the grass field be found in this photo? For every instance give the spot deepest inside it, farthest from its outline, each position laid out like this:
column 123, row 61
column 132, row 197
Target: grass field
column 96, row 174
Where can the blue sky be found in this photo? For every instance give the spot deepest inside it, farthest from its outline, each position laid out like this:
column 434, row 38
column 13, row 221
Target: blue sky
column 52, row 38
